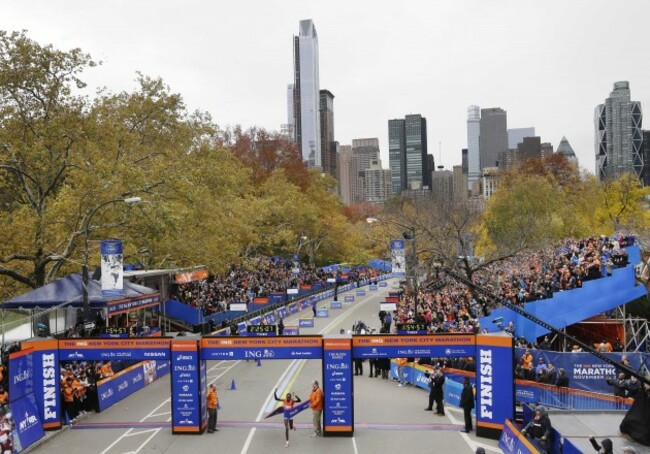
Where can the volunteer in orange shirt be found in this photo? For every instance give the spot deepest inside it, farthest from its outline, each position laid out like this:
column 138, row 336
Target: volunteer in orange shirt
column 316, row 404
column 213, row 402
column 107, row 369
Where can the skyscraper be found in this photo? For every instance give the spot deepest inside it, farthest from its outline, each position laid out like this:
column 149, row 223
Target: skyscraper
column 473, row 145
column 565, row 148
column 516, row 136
column 346, row 173
column 376, row 183
column 305, row 94
column 364, row 153
column 328, row 146
column 407, row 153
column 619, row 139
column 646, row 158
column 493, row 136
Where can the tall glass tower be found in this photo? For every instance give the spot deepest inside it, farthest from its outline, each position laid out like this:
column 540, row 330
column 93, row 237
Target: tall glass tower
column 306, row 96
column 473, row 153
column 619, row 138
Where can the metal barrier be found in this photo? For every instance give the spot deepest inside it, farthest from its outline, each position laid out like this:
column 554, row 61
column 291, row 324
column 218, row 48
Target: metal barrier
column 569, row 399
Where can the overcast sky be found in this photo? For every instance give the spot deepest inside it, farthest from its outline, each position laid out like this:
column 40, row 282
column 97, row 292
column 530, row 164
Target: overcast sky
column 547, row 63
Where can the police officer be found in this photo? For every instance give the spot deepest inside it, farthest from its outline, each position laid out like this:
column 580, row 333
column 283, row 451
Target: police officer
column 438, row 393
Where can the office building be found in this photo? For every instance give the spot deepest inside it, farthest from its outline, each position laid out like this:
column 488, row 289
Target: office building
column 328, row 146
column 377, row 183
column 442, row 186
column 346, row 174
column 516, row 136
column 565, row 149
column 473, row 145
column 619, row 139
column 493, row 136
column 407, row 152
column 461, row 192
column 646, row 158
column 305, row 97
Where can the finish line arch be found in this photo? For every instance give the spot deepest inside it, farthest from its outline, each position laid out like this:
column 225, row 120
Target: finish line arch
column 495, row 395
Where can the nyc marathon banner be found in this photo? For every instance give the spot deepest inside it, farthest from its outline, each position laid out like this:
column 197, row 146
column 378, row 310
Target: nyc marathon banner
column 186, row 387
column 495, row 398
column 21, row 374
column 117, row 387
column 47, row 391
column 513, row 442
column 585, row 371
column 398, row 257
column 27, row 428
column 338, row 408
column 295, row 347
column 136, row 349
column 112, row 267
column 417, row 346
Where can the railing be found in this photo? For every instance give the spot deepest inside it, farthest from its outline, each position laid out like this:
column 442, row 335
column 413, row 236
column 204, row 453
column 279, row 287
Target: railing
column 568, row 398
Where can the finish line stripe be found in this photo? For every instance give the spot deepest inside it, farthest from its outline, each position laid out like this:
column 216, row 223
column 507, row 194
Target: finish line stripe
column 262, row 425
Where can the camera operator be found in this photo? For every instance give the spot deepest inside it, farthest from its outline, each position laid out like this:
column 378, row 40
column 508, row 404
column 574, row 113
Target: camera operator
column 429, row 378
column 539, row 428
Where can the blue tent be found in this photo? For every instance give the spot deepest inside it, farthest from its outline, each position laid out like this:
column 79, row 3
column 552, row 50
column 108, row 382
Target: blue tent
column 69, row 290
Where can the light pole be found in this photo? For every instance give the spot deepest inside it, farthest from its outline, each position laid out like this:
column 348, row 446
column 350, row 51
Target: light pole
column 84, row 268
column 408, row 234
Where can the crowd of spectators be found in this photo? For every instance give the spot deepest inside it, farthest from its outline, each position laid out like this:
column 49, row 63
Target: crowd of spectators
column 451, row 307
column 241, row 283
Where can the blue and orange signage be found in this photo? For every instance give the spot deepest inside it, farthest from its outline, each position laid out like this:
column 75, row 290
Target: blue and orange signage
column 431, row 346
column 294, row 347
column 113, row 349
column 337, row 387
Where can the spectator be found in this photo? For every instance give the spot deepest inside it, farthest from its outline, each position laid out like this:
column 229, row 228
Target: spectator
column 606, row 446
column 562, row 379
column 539, row 428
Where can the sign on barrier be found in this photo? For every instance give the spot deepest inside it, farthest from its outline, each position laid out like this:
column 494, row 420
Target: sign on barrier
column 349, row 298
column 513, row 442
column 291, row 331
column 322, row 312
column 372, row 288
column 336, row 305
column 432, row 346
column 361, row 293
column 117, row 387
column 306, row 323
column 337, row 387
column 21, row 374
column 383, row 284
column 295, row 347
column 27, row 424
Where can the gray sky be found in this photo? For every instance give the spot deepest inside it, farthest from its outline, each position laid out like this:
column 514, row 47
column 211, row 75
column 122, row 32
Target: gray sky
column 547, row 63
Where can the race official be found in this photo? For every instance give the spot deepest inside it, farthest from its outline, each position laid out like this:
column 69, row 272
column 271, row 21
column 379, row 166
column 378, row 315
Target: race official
column 212, row 403
column 467, row 402
column 316, row 404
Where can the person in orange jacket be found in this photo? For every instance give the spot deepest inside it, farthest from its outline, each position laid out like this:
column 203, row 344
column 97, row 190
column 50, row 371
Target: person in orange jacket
column 316, row 404
column 212, row 403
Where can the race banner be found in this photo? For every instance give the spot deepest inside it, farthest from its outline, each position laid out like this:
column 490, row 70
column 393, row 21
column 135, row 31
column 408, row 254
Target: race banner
column 112, row 267
column 338, row 408
column 422, row 346
column 113, row 349
column 21, row 374
column 117, row 387
column 190, row 276
column 186, row 387
column 512, row 441
column 398, row 257
column 47, row 390
column 27, row 427
column 495, row 397
column 294, row 347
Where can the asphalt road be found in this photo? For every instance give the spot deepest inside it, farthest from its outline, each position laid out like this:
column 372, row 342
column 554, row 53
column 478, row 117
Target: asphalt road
column 387, row 418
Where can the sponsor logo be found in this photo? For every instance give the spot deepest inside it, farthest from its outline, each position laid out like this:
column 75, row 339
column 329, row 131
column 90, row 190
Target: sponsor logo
column 75, row 355
column 106, row 394
column 122, row 386
column 137, row 378
column 342, row 366
column 337, row 386
column 486, row 383
column 188, row 368
column 21, row 376
column 597, row 371
column 28, row 422
column 186, row 388
column 337, row 420
column 182, row 357
column 155, row 354
column 508, row 441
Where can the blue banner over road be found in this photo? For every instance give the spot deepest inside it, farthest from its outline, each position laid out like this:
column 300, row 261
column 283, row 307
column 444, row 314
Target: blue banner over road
column 104, row 349
column 337, row 387
column 420, row 346
column 495, row 398
column 294, row 347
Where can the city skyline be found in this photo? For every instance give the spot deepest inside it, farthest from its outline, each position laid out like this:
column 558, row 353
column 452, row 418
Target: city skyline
column 540, row 62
